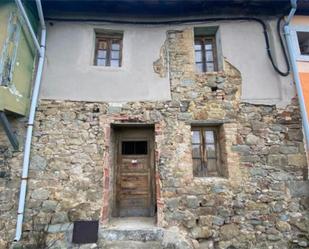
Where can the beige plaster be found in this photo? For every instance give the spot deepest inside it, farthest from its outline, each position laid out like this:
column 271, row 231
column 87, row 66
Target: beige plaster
column 69, row 73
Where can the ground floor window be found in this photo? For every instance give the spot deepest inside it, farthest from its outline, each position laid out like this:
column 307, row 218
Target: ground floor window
column 205, row 151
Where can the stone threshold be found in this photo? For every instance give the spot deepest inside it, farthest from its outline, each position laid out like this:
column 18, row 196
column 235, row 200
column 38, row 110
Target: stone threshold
column 132, row 223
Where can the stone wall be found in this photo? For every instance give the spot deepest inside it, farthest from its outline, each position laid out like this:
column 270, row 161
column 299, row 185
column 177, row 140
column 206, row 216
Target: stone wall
column 10, row 172
column 262, row 203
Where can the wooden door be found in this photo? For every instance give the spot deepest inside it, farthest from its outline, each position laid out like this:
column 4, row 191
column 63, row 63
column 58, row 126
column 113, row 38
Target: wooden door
column 134, row 183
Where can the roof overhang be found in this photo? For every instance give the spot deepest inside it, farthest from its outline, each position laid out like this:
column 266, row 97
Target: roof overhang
column 164, row 8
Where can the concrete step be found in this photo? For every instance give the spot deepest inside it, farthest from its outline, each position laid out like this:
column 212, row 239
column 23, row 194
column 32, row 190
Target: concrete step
column 131, row 245
column 139, row 233
column 154, row 238
column 131, row 229
column 143, row 235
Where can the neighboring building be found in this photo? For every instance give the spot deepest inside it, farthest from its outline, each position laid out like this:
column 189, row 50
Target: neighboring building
column 166, row 111
column 300, row 34
column 17, row 61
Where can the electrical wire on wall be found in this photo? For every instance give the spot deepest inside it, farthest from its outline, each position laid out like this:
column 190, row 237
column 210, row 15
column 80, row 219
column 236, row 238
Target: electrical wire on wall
column 201, row 20
column 283, row 48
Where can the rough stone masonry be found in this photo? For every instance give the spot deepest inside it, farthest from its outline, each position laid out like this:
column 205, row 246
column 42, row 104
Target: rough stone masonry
column 261, row 202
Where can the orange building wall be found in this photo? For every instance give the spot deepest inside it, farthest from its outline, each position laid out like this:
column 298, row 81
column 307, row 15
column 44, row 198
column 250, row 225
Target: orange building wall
column 303, row 66
column 300, row 20
column 304, row 78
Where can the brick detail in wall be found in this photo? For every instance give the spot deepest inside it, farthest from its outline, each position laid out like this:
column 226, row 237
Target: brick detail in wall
column 159, row 201
column 106, row 175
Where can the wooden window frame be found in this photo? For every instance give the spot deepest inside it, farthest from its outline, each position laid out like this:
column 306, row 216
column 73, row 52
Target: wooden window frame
column 203, row 151
column 205, row 39
column 109, row 39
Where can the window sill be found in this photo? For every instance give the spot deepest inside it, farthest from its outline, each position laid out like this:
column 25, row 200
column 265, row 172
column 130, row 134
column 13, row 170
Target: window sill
column 107, row 69
column 210, row 180
column 302, row 58
column 207, row 73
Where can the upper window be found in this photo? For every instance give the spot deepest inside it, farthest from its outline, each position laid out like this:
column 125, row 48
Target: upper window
column 303, row 42
column 207, row 49
column 108, row 49
column 300, row 36
column 205, row 151
column 205, row 53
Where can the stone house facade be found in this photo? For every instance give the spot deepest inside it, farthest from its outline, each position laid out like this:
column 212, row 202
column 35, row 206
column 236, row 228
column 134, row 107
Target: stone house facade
column 85, row 167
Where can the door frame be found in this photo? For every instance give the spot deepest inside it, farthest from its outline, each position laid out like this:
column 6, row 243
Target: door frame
column 119, row 131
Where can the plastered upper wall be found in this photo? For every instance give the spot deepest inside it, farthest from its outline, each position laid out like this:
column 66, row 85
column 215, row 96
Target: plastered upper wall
column 69, row 73
column 243, row 45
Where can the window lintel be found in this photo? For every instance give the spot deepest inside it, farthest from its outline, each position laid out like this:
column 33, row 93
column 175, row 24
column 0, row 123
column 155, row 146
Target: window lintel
column 207, row 123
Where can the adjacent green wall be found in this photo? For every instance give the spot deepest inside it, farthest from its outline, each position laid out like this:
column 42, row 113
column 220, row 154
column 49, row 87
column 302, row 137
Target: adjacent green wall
column 15, row 97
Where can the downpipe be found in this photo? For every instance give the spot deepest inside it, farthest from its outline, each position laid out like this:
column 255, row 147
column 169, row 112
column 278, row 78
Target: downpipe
column 34, row 100
column 290, row 47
